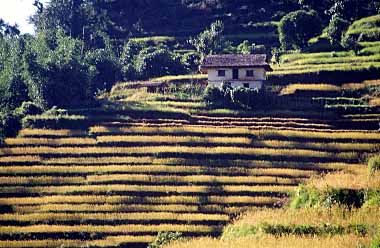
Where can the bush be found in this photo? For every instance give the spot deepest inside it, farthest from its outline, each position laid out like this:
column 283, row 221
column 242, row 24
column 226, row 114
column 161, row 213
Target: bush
column 56, row 74
column 336, row 29
column 28, row 108
column 191, row 61
column 346, row 197
column 304, row 197
column 104, row 69
column 154, row 62
column 164, row 238
column 245, row 97
column 372, row 199
column 213, row 95
column 374, row 165
column 238, row 231
column 297, row 28
column 9, row 125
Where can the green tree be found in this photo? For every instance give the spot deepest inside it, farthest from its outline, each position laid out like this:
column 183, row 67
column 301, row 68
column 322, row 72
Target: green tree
column 6, row 29
column 211, row 40
column 104, row 69
column 321, row 6
column 336, row 29
column 57, row 76
column 127, row 59
column 296, row 28
column 13, row 90
column 154, row 62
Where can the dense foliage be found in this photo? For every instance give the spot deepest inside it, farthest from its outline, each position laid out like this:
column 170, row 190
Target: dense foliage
column 296, row 28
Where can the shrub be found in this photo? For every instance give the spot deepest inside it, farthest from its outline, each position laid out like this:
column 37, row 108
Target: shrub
column 304, row 197
column 104, row 69
column 245, row 97
column 238, row 231
column 56, row 75
column 373, row 198
column 191, row 61
column 374, row 165
column 28, row 108
column 9, row 125
column 297, row 28
column 336, row 29
column 210, row 41
column 346, row 197
column 154, row 62
column 164, row 238
column 213, row 95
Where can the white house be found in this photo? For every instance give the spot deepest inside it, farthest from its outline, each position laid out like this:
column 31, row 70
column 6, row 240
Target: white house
column 239, row 70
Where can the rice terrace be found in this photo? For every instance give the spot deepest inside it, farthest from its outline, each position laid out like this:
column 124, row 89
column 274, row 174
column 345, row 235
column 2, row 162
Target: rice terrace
column 192, row 123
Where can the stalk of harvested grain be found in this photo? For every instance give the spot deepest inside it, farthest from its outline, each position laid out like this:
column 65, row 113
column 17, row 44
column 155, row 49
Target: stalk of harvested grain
column 102, row 199
column 146, row 188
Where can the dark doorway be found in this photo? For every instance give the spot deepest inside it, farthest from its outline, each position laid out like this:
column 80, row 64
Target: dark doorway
column 235, row 73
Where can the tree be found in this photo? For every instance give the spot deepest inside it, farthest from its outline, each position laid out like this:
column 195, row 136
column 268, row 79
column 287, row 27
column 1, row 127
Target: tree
column 210, row 41
column 245, row 47
column 57, row 76
column 6, row 29
column 13, row 90
column 296, row 28
column 104, row 69
column 352, row 10
column 336, row 29
column 156, row 61
column 321, row 6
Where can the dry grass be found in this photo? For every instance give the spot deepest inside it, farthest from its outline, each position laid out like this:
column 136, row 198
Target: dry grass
column 358, row 86
column 111, row 241
column 331, row 135
column 101, row 199
column 228, row 150
column 311, row 216
column 266, row 241
column 146, row 188
column 34, row 217
column 20, row 159
column 374, row 102
column 173, row 139
column 181, row 77
column 51, row 132
column 153, row 169
column 99, row 208
column 168, row 130
column 240, row 131
column 37, row 180
column 49, row 141
column 194, row 179
column 292, row 88
column 354, row 179
column 133, row 178
column 120, row 229
column 83, row 160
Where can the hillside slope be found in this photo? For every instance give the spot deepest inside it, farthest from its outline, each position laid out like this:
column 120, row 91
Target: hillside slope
column 134, row 171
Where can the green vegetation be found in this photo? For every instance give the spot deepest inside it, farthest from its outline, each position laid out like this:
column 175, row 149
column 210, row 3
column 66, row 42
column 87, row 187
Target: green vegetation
column 86, row 160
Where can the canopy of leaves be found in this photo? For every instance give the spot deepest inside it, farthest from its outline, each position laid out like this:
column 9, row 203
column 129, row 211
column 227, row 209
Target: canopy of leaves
column 296, row 28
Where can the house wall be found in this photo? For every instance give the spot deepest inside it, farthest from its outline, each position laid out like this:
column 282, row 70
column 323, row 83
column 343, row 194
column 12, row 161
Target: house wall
column 259, row 75
column 252, row 84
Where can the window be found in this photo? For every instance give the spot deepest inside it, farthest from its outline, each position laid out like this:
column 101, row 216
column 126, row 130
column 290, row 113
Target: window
column 249, row 73
column 246, row 85
column 221, row 73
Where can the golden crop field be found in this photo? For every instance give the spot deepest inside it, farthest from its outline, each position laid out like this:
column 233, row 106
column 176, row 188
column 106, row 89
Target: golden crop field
column 121, row 182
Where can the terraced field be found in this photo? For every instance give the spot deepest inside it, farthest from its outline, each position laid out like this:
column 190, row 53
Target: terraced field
column 118, row 183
